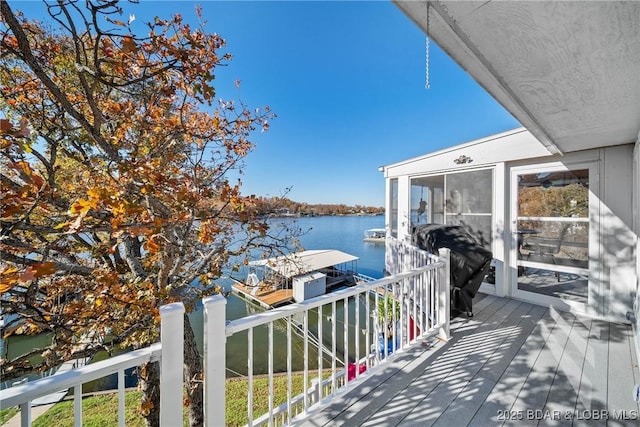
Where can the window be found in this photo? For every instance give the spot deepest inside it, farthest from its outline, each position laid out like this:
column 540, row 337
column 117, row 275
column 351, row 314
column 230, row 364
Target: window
column 469, row 203
column 394, row 207
column 463, row 198
column 427, row 201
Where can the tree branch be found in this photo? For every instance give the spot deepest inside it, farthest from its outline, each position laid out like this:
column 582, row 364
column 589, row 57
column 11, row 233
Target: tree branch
column 34, row 65
column 59, row 266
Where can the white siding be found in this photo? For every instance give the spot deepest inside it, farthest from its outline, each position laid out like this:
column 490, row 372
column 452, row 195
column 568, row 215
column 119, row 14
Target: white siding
column 507, row 146
column 636, row 227
column 616, row 225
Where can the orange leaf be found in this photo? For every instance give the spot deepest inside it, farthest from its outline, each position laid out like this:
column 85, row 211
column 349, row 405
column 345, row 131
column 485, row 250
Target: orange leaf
column 8, row 279
column 129, row 45
column 43, row 268
column 24, row 129
column 27, row 275
column 152, row 246
column 27, row 174
column 5, row 126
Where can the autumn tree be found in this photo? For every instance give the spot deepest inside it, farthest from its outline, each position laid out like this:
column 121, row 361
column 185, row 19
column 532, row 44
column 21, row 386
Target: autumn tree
column 116, row 196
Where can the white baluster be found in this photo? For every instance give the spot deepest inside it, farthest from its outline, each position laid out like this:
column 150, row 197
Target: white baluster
column 171, row 363
column 444, row 298
column 214, row 360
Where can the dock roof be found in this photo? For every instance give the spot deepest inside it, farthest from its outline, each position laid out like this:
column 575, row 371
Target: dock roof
column 304, row 262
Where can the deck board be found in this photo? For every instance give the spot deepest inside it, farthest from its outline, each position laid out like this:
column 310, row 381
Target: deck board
column 464, row 359
column 519, row 357
column 409, row 391
column 479, row 380
column 620, row 358
column 565, row 387
column 265, row 296
column 510, row 356
column 469, row 403
column 593, row 386
column 536, row 388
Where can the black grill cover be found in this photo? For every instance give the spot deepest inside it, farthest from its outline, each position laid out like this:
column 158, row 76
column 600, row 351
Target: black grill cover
column 470, row 262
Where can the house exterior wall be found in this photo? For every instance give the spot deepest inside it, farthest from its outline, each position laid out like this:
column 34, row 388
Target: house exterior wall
column 614, row 221
column 636, row 227
column 617, row 236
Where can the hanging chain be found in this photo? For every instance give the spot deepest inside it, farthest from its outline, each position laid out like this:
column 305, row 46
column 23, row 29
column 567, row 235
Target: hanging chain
column 427, row 82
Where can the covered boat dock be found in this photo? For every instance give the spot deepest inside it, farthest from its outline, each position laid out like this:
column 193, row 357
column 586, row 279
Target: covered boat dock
column 280, row 280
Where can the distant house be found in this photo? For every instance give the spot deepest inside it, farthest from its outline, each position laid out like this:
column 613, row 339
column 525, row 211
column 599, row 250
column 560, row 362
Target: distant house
column 558, row 200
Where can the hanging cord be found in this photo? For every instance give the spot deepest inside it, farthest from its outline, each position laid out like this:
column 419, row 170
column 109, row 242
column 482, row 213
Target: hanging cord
column 427, row 82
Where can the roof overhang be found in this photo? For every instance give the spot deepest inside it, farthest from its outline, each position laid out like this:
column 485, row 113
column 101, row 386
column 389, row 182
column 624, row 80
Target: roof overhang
column 567, row 70
column 298, row 263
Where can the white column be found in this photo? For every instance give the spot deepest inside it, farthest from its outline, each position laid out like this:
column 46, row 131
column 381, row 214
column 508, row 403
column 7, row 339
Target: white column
column 444, row 295
column 215, row 339
column 404, row 214
column 171, row 364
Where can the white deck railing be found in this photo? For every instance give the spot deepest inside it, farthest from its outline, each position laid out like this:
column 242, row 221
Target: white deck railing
column 352, row 340
column 346, row 342
column 170, row 356
column 403, row 256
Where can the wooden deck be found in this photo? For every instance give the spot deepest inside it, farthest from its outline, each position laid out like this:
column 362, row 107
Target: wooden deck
column 265, row 296
column 513, row 363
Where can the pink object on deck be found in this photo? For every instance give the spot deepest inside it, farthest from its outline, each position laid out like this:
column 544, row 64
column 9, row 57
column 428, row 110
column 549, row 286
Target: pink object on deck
column 351, row 370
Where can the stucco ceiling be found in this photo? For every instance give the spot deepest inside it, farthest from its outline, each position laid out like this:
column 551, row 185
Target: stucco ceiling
column 567, row 70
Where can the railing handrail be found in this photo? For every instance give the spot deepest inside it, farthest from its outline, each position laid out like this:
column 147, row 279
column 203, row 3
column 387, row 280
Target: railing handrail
column 258, row 319
column 32, row 390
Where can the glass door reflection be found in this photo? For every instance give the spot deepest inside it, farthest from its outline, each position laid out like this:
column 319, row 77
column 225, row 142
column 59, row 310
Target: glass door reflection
column 552, row 234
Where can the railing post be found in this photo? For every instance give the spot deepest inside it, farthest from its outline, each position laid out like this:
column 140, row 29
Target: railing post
column 171, row 364
column 444, row 295
column 25, row 414
column 215, row 339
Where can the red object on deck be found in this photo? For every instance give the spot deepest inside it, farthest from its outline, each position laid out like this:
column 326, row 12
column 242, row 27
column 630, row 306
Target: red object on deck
column 411, row 328
column 351, row 370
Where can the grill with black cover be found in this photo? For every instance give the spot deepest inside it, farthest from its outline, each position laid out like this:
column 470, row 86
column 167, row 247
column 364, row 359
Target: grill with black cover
column 470, row 262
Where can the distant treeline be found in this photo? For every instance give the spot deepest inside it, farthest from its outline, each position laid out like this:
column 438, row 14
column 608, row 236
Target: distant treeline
column 281, row 206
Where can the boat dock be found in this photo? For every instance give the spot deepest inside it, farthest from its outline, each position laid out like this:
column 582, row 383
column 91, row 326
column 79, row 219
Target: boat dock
column 265, row 296
column 297, row 276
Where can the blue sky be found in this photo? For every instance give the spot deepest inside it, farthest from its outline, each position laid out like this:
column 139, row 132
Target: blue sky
column 346, row 80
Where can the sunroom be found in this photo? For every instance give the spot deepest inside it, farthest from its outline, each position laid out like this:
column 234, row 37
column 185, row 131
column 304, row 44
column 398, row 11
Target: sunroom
column 560, row 227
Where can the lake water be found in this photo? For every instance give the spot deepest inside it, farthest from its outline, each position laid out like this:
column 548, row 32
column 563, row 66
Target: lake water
column 346, row 234
column 343, row 233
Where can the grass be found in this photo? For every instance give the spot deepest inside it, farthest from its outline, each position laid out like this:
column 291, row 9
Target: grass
column 97, row 411
column 101, row 410
column 7, row 414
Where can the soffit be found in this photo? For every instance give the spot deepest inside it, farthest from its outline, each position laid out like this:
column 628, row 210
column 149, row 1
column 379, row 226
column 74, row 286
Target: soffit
column 568, row 71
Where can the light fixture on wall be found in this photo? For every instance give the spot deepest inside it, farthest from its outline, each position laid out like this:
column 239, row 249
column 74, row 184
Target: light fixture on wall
column 463, row 160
